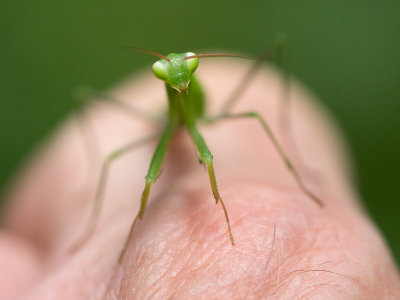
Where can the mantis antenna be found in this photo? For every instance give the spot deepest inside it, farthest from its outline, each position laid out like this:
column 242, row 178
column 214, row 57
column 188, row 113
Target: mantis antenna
column 218, row 55
column 189, row 57
column 148, row 52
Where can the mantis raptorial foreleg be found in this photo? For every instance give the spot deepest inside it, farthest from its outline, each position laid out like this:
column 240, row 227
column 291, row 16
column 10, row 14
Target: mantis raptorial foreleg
column 206, row 157
column 152, row 174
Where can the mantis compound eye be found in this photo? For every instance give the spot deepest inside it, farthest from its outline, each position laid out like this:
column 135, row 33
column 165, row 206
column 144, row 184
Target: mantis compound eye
column 160, row 69
column 192, row 63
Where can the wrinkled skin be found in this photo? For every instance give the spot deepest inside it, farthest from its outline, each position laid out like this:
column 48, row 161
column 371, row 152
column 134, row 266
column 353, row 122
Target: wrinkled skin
column 286, row 246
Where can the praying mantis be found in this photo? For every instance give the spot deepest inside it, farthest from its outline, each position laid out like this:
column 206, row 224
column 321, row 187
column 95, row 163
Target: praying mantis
column 186, row 107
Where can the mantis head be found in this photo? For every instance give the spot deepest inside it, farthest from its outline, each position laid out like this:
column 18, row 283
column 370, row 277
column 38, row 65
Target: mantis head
column 176, row 69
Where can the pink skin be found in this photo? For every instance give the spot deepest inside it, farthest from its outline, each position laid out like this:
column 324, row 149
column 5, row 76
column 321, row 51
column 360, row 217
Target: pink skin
column 286, row 246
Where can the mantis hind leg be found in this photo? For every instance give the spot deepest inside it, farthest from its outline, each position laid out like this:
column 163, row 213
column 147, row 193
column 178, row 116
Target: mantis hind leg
column 285, row 106
column 244, row 83
column 277, row 53
column 86, row 95
column 89, row 141
column 205, row 157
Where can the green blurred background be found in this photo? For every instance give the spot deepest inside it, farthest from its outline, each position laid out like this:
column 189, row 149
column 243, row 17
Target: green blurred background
column 347, row 52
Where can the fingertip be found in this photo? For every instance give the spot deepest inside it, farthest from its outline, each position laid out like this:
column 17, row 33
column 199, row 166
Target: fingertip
column 283, row 243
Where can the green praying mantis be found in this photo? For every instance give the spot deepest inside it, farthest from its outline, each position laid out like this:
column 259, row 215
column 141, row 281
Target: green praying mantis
column 186, row 107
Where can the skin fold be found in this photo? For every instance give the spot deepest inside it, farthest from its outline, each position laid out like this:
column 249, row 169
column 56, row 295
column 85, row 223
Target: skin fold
column 286, row 246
